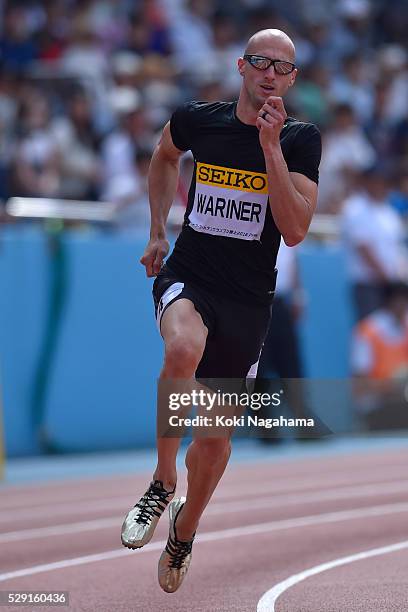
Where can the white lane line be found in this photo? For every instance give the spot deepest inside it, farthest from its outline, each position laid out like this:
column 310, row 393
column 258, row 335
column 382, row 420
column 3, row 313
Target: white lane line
column 275, row 484
column 275, row 501
column 339, row 493
column 62, row 509
column 305, row 482
column 22, row 535
column 268, row 599
column 257, row 528
column 64, row 497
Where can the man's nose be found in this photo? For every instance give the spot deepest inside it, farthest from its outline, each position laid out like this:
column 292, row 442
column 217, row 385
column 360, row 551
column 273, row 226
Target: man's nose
column 270, row 72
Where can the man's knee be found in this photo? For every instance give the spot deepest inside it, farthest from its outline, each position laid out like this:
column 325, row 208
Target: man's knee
column 182, row 356
column 213, row 450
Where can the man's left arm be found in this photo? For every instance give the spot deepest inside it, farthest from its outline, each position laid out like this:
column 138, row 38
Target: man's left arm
column 292, row 195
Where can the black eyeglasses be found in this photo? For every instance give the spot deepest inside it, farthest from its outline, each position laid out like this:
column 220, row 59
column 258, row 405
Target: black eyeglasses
column 263, row 63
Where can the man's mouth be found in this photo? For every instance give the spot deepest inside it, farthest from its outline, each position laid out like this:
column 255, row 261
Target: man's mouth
column 266, row 87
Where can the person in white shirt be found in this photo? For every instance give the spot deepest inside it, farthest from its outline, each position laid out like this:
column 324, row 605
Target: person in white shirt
column 373, row 236
column 346, row 152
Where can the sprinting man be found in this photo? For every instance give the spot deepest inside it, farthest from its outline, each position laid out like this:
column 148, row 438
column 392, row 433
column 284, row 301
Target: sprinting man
column 255, row 180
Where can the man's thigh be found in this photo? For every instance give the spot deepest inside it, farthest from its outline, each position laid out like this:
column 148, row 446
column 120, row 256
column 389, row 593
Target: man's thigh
column 182, row 323
column 180, row 307
column 233, row 350
column 234, row 332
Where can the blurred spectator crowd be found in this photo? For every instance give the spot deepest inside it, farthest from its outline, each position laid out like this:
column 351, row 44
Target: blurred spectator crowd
column 87, row 85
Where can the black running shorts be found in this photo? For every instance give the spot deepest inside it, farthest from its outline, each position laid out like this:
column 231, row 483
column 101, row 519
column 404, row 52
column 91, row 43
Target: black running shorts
column 236, row 331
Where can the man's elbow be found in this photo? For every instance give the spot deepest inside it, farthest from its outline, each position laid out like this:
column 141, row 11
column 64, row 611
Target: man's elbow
column 294, row 238
column 296, row 233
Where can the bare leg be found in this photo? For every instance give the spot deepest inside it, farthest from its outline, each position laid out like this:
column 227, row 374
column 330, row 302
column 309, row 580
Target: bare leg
column 184, row 335
column 206, row 460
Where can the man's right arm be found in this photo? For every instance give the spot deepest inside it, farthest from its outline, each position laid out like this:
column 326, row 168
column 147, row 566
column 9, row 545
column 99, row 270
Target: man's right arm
column 163, row 179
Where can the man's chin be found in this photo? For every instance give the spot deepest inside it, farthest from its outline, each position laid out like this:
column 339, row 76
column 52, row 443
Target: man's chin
column 265, row 95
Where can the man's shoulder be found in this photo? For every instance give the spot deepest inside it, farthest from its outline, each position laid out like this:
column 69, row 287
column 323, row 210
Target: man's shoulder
column 297, row 125
column 199, row 110
column 195, row 117
column 200, row 106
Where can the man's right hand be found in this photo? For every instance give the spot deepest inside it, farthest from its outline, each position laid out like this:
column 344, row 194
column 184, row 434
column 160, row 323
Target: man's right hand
column 155, row 251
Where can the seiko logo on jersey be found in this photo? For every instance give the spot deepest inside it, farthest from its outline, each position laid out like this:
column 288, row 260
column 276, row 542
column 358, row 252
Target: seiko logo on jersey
column 229, row 202
column 234, row 179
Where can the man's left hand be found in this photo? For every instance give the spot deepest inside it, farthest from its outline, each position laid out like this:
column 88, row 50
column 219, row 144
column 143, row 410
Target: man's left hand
column 271, row 119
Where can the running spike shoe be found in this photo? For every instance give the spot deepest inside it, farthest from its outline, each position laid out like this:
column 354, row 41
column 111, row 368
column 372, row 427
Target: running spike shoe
column 176, row 557
column 140, row 522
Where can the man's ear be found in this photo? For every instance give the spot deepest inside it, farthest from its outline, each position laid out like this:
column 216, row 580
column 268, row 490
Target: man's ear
column 292, row 81
column 241, row 64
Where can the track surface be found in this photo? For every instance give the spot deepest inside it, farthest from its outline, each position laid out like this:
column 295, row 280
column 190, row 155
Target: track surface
column 267, row 522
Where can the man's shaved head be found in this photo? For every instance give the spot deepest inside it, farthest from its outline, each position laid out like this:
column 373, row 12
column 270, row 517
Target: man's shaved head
column 260, row 83
column 274, row 38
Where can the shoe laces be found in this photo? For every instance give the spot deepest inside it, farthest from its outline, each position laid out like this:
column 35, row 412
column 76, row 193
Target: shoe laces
column 153, row 503
column 178, row 552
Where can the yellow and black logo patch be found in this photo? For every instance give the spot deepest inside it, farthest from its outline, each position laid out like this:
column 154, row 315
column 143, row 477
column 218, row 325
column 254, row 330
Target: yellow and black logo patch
column 231, row 178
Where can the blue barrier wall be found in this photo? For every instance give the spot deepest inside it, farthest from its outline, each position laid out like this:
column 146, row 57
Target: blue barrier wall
column 325, row 334
column 325, row 330
column 102, row 386
column 23, row 296
column 105, row 353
